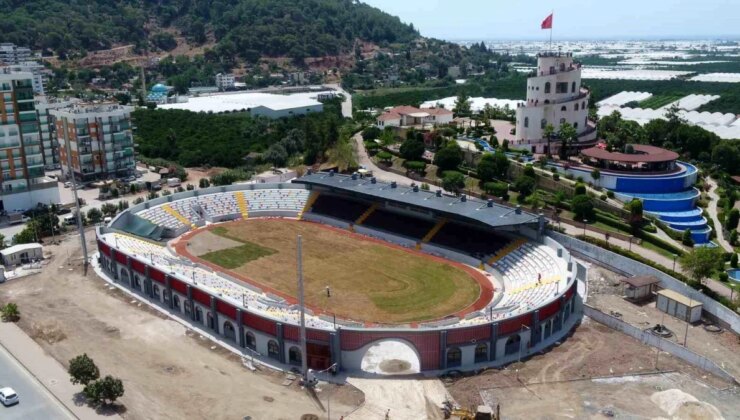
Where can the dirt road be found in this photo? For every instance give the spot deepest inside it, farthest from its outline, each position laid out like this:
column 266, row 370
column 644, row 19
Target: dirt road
column 168, row 371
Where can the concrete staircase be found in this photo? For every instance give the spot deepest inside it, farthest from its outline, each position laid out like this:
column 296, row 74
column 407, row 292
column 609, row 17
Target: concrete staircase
column 506, row 250
column 176, row 214
column 366, row 214
column 309, row 203
column 241, row 201
column 433, row 231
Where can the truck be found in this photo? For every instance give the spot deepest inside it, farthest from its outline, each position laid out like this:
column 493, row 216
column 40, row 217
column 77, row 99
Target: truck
column 173, row 182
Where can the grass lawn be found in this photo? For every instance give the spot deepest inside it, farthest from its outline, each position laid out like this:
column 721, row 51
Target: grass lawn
column 231, row 258
column 659, row 250
column 369, row 281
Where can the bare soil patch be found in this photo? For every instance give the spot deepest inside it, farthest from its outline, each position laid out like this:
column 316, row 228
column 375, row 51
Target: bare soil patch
column 368, row 280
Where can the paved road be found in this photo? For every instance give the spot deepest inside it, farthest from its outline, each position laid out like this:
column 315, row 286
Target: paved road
column 35, row 401
column 347, row 104
column 712, row 210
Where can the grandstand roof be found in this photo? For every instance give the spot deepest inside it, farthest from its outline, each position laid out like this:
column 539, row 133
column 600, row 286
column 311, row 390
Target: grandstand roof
column 478, row 210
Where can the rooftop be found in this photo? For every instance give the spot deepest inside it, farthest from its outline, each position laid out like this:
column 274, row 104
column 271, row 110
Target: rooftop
column 670, row 294
column 486, row 212
column 230, row 102
column 643, row 154
column 640, row 281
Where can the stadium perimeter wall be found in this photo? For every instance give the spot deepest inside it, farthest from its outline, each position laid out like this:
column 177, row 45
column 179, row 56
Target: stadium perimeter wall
column 623, row 264
column 504, row 340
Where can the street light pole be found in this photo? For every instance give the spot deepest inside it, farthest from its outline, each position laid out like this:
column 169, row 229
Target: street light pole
column 584, row 227
column 674, row 262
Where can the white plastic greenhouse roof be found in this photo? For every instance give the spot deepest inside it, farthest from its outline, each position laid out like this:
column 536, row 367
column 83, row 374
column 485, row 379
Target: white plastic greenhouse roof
column 624, row 97
column 717, row 77
column 476, row 104
column 239, row 101
column 597, row 73
column 692, row 101
column 724, row 125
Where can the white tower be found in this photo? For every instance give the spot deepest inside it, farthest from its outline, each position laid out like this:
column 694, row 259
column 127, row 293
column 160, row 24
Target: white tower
column 554, row 96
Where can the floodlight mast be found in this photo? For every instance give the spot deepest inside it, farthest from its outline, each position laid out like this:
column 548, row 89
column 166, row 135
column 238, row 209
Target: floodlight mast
column 304, row 358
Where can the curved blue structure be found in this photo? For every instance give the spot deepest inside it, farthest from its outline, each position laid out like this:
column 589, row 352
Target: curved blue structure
column 669, row 197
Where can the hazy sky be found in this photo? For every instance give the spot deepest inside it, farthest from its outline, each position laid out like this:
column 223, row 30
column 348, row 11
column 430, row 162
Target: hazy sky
column 574, row 19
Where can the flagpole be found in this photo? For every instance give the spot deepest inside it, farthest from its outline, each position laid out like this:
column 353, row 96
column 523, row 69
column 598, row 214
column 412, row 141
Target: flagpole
column 552, row 13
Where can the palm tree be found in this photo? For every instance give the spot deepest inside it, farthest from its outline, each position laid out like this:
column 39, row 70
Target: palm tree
column 567, row 134
column 547, row 133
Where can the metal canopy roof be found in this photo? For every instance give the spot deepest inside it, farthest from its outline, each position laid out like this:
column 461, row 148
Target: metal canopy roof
column 489, row 213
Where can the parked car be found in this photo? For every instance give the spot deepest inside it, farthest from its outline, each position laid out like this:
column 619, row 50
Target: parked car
column 64, row 210
column 68, row 184
column 8, row 396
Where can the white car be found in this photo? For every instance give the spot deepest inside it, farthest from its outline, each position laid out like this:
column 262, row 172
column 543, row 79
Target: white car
column 8, row 396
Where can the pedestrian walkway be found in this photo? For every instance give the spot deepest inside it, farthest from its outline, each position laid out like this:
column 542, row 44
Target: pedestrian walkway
column 712, row 210
column 50, row 373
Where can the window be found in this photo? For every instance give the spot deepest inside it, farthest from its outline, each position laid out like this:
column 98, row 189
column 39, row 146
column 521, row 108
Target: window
column 563, row 108
column 576, row 106
column 562, row 66
column 543, row 123
column 229, row 332
column 547, row 87
column 198, row 314
column 481, row 353
column 512, row 344
column 211, row 322
column 562, row 121
column 454, row 357
column 583, row 104
column 575, row 125
column 573, row 87
column 137, row 282
column 156, row 291
column 561, row 87
column 547, row 101
column 273, row 349
column 176, row 302
column 251, row 341
column 526, row 122
column 294, row 356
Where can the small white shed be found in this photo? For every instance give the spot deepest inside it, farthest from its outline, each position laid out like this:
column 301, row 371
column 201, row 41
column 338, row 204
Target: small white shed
column 678, row 305
column 22, row 254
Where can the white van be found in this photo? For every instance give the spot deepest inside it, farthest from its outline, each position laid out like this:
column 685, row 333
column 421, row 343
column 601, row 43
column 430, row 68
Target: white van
column 69, row 220
column 173, row 182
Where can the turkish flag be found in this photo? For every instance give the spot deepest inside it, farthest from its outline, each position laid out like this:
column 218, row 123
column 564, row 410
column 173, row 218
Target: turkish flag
column 547, row 23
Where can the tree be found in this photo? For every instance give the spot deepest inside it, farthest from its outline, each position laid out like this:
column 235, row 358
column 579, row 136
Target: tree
column 580, row 189
column 635, row 208
column 547, row 133
column 10, row 312
column 701, row 262
column 496, row 189
column 492, row 166
column 567, row 134
column 732, row 219
column 449, row 157
column 109, row 209
column 82, row 370
column 535, row 200
column 733, row 260
column 27, row 235
column 342, row 154
column 462, row 105
column 204, row 183
column 733, row 237
column 582, row 207
column 412, row 149
column 94, row 215
column 371, row 133
column 595, row 175
column 276, row 155
column 686, row 238
column 104, row 391
column 453, row 181
column 524, row 185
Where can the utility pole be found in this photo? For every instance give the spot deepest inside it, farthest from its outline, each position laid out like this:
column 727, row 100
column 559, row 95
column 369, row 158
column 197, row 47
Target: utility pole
column 70, row 171
column 304, row 356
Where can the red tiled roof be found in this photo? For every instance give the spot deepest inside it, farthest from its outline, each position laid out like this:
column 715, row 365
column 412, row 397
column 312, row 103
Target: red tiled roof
column 438, row 111
column 389, row 116
column 643, row 153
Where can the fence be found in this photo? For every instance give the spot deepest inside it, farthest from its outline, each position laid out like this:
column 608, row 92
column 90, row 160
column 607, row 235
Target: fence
column 677, row 350
column 635, row 268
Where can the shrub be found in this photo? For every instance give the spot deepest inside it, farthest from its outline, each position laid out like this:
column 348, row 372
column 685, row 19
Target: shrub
column 582, row 207
column 10, row 312
column 204, row 183
column 414, row 165
column 424, row 186
column 610, row 194
column 686, row 239
column 733, row 237
column 453, row 181
column 732, row 219
column 723, row 277
column 603, row 197
column 556, row 176
column 138, row 200
column 529, row 170
column 580, row 189
column 569, row 176
column 104, row 391
column 190, row 187
column 94, row 215
column 524, row 185
column 496, row 189
column 733, row 260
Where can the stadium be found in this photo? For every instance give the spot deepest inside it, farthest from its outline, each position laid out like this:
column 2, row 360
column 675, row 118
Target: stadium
column 397, row 280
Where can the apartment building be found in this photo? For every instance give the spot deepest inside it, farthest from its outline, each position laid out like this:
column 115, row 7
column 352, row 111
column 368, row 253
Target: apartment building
column 98, row 138
column 21, row 156
column 47, row 127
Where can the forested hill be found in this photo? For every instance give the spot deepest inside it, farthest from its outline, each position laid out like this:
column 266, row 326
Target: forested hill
column 246, row 28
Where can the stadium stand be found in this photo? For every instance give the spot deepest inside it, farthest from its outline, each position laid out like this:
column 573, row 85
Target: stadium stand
column 397, row 223
column 338, row 207
column 469, row 240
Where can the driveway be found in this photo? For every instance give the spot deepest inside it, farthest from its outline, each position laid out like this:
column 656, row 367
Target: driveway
column 712, row 210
